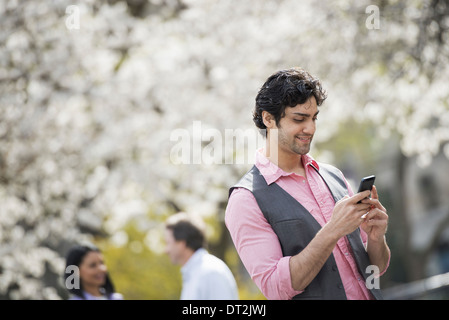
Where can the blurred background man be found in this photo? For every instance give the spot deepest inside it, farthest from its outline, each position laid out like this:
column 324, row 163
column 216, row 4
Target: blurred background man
column 204, row 276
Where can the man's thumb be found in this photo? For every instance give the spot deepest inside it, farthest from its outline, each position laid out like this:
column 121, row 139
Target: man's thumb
column 344, row 198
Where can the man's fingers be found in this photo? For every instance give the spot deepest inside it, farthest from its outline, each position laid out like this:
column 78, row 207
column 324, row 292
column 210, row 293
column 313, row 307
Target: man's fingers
column 377, row 223
column 343, row 199
column 360, row 196
column 375, row 213
column 374, row 203
column 374, row 194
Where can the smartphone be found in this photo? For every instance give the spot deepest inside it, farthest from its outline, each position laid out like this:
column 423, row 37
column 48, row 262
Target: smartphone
column 366, row 184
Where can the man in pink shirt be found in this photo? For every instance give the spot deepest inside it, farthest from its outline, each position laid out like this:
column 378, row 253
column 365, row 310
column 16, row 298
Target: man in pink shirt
column 296, row 224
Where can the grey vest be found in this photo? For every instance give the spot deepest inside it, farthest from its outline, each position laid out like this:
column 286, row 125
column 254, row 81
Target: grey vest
column 296, row 227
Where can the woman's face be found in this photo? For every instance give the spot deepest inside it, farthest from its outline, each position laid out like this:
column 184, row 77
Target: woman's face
column 93, row 269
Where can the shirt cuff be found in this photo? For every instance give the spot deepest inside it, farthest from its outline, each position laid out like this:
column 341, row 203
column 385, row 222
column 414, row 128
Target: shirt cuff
column 286, row 282
column 387, row 265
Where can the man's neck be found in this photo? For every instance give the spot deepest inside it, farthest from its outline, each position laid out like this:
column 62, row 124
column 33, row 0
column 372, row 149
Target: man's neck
column 186, row 257
column 288, row 162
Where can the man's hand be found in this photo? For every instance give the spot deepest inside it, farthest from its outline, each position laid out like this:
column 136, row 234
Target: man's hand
column 376, row 221
column 346, row 217
column 375, row 225
column 347, row 214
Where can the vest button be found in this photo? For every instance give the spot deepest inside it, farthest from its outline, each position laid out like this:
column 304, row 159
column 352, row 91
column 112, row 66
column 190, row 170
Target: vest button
column 340, row 286
column 334, row 268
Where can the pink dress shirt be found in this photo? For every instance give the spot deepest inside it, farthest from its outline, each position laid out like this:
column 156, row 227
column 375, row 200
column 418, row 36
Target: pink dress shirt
column 258, row 246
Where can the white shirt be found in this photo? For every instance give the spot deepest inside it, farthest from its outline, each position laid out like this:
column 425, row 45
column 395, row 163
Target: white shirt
column 206, row 277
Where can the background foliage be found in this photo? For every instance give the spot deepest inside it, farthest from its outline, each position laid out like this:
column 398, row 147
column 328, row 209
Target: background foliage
column 87, row 118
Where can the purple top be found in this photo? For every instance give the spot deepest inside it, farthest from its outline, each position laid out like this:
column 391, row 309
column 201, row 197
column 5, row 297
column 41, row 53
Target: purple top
column 114, row 296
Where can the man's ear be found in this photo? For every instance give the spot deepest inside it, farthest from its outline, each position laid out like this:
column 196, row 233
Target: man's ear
column 268, row 120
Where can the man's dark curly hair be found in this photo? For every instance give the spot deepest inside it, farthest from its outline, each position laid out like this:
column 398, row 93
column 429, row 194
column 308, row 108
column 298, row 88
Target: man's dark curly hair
column 286, row 88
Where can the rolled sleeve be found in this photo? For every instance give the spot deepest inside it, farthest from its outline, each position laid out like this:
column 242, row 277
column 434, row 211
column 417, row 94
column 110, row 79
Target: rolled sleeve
column 258, row 246
column 387, row 265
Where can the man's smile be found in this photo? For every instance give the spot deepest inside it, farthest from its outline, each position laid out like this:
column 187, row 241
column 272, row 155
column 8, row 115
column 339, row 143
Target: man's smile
column 304, row 139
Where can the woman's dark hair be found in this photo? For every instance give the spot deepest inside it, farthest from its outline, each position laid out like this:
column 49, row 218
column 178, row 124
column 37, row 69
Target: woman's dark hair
column 186, row 228
column 286, row 88
column 75, row 257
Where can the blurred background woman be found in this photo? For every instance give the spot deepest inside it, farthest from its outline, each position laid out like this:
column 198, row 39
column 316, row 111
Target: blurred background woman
column 91, row 281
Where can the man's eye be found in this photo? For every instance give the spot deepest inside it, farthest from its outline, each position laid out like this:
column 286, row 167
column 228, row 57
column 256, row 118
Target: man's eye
column 298, row 120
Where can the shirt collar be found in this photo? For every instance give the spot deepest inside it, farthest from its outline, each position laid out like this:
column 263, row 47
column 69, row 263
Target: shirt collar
column 272, row 172
column 191, row 264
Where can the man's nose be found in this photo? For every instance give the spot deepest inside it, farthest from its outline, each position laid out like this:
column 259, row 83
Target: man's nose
column 310, row 127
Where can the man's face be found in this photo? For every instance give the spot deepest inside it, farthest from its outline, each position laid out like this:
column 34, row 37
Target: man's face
column 174, row 249
column 297, row 127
